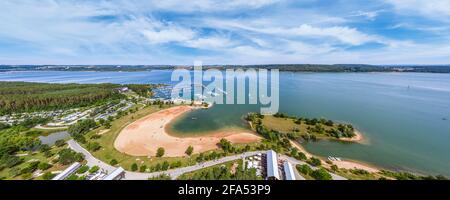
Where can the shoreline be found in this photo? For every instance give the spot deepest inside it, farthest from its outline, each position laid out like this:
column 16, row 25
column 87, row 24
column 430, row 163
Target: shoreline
column 358, row 138
column 136, row 139
column 344, row 163
column 144, row 136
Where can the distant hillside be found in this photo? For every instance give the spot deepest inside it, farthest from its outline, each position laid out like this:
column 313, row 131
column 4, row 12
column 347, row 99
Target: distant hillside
column 281, row 67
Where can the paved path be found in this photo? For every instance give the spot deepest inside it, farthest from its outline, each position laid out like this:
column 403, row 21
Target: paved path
column 91, row 160
column 174, row 173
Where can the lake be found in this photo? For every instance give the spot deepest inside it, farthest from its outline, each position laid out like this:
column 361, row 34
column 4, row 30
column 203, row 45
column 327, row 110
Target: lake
column 404, row 116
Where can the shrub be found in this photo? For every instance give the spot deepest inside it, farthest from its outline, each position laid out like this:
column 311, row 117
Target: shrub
column 82, row 169
column 93, row 146
column 189, row 150
column 304, row 169
column 142, row 168
column 67, row 156
column 44, row 166
column 321, row 174
column 94, row 169
column 48, row 176
column 161, row 177
column 160, row 152
column 314, row 161
column 134, row 167
column 113, row 162
column 60, row 143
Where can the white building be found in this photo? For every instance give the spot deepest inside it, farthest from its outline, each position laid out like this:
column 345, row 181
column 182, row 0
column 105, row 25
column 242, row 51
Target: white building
column 272, row 166
column 117, row 174
column 288, row 171
column 67, row 172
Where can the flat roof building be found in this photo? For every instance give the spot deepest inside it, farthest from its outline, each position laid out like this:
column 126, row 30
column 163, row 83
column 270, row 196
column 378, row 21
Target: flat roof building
column 288, row 171
column 117, row 174
column 67, row 172
column 272, row 165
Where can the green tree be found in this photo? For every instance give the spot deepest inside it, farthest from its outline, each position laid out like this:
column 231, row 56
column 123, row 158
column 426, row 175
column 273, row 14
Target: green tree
column 142, row 168
column 67, row 156
column 160, row 152
column 134, row 167
column 321, row 174
column 113, row 162
column 314, row 161
column 44, row 166
column 304, row 169
column 93, row 146
column 60, row 143
column 189, row 150
column 83, row 169
column 48, row 176
column 94, row 169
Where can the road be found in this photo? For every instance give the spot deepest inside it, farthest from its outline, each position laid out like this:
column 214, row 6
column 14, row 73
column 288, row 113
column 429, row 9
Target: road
column 174, row 173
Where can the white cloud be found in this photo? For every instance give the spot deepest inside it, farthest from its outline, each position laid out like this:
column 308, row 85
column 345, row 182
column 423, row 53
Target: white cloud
column 436, row 9
column 341, row 34
column 210, row 5
column 370, row 15
column 214, row 42
column 168, row 34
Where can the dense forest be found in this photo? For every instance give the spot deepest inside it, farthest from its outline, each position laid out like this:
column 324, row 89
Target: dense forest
column 29, row 97
column 281, row 67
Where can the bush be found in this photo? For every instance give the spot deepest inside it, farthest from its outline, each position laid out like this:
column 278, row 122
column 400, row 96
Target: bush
column 304, row 169
column 314, row 161
column 321, row 174
column 113, row 162
column 160, row 152
column 67, row 156
column 72, row 177
column 44, row 148
column 44, row 166
column 10, row 161
column 142, row 168
column 161, row 177
column 189, row 150
column 82, row 169
column 60, row 143
column 30, row 168
column 94, row 169
column 134, row 167
column 93, row 146
column 300, row 156
column 48, row 176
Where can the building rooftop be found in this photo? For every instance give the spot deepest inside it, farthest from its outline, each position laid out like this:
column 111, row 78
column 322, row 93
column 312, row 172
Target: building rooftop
column 272, row 165
column 288, row 171
column 114, row 174
column 71, row 169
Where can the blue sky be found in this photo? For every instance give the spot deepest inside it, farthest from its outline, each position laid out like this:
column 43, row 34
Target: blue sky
column 224, row 32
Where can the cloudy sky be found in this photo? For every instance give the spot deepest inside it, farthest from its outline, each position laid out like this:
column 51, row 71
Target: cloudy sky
column 224, row 32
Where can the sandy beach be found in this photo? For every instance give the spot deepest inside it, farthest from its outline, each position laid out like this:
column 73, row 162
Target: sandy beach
column 357, row 138
column 345, row 164
column 144, row 136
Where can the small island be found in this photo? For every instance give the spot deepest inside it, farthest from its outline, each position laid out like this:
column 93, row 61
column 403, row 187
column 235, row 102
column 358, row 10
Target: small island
column 301, row 129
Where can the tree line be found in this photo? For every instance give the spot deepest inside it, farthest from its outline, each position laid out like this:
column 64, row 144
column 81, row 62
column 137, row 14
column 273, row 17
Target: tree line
column 31, row 97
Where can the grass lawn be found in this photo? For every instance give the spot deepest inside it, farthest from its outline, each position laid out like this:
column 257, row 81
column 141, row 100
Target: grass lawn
column 34, row 156
column 107, row 152
column 353, row 175
column 46, row 132
column 288, row 125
